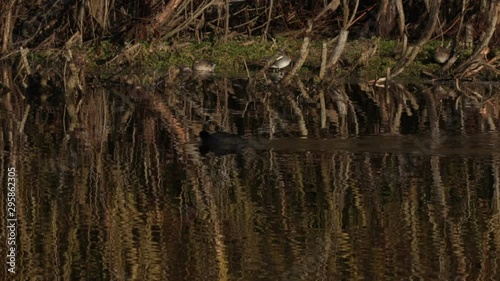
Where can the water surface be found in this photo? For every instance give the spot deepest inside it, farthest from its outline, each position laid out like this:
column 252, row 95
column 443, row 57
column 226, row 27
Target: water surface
column 376, row 184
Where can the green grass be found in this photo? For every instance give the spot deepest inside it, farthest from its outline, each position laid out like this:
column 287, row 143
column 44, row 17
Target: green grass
column 158, row 57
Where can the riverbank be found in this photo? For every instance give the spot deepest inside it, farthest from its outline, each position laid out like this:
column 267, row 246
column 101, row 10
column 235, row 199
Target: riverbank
column 363, row 58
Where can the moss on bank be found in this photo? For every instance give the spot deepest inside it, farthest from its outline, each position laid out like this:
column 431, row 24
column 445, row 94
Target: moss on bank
column 362, row 58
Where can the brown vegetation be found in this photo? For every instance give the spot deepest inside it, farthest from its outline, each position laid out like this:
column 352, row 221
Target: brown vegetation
column 68, row 24
column 113, row 187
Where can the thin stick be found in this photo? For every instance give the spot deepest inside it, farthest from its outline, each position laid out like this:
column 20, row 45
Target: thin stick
column 25, row 60
column 25, row 116
column 324, row 52
column 246, row 68
column 304, row 51
column 268, row 22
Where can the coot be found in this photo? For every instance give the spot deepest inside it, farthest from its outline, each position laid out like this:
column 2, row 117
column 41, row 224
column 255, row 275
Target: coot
column 221, row 143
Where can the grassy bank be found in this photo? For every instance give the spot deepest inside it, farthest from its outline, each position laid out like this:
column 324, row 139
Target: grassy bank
column 362, row 58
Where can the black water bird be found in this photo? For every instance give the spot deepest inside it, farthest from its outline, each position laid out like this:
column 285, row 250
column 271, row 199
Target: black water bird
column 221, row 143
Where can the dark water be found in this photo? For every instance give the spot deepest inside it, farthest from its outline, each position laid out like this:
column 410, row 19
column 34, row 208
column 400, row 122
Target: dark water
column 380, row 184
